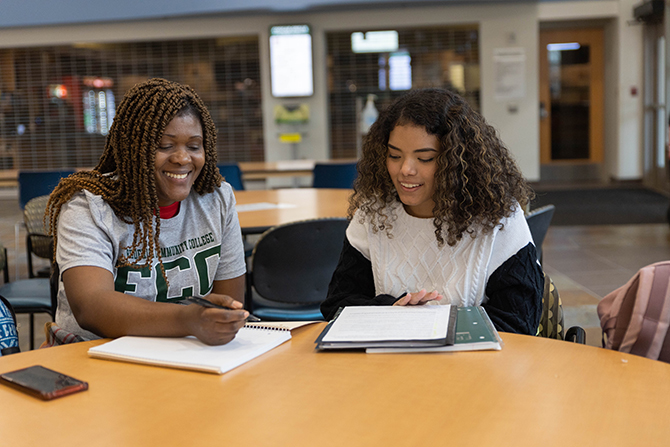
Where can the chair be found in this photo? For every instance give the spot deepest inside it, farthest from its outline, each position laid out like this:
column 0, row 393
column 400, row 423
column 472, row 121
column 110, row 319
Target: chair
column 38, row 242
column 551, row 322
column 232, row 173
column 538, row 221
column 38, row 183
column 334, row 175
column 292, row 267
column 28, row 296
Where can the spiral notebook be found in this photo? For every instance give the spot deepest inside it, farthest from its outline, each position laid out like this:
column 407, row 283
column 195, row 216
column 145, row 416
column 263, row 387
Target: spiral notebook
column 191, row 353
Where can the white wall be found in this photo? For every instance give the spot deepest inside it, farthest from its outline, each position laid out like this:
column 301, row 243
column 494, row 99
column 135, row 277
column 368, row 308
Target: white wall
column 517, row 121
column 630, row 152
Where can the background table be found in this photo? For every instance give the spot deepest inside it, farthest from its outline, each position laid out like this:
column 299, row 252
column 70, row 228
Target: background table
column 309, row 203
column 260, row 170
column 535, row 392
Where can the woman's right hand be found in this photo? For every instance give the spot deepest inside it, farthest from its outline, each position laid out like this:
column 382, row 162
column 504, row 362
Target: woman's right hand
column 418, row 298
column 215, row 326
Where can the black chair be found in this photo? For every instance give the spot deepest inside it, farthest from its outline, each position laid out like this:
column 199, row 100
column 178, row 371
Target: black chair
column 539, row 220
column 38, row 242
column 334, row 175
column 232, row 173
column 28, row 296
column 292, row 267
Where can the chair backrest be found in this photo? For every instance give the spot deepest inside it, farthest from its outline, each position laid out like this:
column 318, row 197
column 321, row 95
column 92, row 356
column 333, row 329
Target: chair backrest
column 294, row 262
column 39, row 183
column 33, row 216
column 334, row 175
column 232, row 173
column 539, row 220
column 551, row 321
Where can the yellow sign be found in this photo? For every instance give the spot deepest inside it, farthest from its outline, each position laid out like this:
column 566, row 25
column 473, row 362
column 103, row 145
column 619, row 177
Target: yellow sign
column 290, row 137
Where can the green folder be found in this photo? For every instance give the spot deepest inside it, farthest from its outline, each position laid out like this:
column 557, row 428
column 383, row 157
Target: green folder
column 474, row 332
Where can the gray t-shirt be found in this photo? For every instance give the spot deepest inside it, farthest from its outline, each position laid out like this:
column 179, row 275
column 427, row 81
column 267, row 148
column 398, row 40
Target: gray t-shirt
column 199, row 245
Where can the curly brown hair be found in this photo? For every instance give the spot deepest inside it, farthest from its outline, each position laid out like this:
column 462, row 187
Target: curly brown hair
column 477, row 182
column 125, row 175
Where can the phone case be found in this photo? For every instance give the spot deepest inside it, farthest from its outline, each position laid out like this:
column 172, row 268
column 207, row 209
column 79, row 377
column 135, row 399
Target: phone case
column 43, row 383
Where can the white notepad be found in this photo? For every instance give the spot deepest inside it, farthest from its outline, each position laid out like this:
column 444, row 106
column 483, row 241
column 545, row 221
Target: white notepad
column 191, row 353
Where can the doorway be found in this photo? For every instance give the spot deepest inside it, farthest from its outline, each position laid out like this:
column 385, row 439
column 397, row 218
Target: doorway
column 571, row 103
column 655, row 118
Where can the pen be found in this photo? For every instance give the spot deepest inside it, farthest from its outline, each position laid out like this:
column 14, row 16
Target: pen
column 205, row 303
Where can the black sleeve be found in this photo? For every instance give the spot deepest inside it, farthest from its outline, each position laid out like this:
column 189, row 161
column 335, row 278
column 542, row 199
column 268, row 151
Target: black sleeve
column 514, row 293
column 352, row 284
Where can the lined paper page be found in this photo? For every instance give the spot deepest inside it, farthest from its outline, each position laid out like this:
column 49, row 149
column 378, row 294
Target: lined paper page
column 381, row 323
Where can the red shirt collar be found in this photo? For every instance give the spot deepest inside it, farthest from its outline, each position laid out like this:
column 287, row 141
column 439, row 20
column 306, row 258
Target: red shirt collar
column 168, row 212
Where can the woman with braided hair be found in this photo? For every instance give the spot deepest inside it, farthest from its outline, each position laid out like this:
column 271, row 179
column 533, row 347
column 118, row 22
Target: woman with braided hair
column 437, row 217
column 152, row 223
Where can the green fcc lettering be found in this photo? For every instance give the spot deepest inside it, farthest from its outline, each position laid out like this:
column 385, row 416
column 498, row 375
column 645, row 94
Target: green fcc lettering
column 162, row 287
column 121, row 283
column 201, row 265
column 182, row 264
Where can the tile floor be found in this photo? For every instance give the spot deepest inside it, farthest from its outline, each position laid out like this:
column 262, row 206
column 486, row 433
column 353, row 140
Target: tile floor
column 588, row 262
column 585, row 262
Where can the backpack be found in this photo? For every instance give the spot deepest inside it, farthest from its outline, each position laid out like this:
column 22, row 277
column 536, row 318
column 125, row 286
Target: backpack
column 9, row 338
column 635, row 317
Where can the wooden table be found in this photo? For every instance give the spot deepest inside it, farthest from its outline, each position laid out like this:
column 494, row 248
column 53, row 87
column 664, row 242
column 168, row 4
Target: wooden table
column 260, row 170
column 307, row 203
column 534, row 392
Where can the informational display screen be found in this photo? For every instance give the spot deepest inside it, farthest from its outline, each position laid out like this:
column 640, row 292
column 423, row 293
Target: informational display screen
column 374, row 42
column 291, row 70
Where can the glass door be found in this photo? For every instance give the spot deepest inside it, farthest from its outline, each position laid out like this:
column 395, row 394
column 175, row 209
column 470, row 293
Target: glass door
column 655, row 120
column 571, row 96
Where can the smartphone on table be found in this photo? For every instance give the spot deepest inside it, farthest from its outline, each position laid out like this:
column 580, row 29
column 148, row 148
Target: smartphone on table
column 43, row 383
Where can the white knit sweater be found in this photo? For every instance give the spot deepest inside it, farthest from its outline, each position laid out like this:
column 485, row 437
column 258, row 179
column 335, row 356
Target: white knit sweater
column 411, row 260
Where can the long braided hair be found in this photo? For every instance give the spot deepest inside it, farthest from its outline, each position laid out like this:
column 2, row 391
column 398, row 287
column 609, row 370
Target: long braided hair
column 477, row 182
column 125, row 174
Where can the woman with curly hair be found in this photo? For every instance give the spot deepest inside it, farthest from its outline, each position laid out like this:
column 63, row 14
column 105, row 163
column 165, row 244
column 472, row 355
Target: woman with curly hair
column 151, row 224
column 437, row 217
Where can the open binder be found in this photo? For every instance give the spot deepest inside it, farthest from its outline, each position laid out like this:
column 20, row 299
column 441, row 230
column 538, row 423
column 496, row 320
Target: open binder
column 356, row 327
column 474, row 332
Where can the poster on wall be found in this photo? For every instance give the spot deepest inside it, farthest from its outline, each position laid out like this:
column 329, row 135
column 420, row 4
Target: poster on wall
column 510, row 73
column 291, row 70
